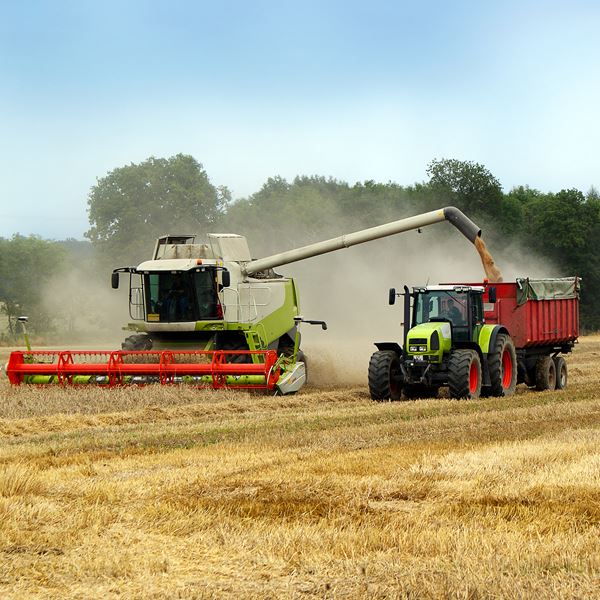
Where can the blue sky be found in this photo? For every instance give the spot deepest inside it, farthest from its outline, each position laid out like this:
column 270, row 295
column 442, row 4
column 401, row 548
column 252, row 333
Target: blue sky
column 353, row 90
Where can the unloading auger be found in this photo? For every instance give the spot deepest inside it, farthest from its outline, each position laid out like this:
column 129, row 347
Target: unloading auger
column 210, row 315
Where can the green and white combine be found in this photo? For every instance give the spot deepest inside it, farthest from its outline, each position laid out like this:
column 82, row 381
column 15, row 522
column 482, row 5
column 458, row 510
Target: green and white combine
column 199, row 297
column 209, row 314
column 213, row 296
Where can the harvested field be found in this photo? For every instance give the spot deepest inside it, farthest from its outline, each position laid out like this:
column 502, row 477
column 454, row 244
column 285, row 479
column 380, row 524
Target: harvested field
column 172, row 492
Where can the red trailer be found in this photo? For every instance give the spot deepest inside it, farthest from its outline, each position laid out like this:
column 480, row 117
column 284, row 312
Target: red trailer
column 542, row 318
column 479, row 338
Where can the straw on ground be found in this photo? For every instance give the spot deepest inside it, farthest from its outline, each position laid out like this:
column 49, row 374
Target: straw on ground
column 169, row 492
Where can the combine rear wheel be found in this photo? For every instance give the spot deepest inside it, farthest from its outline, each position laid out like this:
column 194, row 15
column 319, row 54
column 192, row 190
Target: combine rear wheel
column 464, row 374
column 503, row 367
column 561, row 372
column 385, row 376
column 545, row 374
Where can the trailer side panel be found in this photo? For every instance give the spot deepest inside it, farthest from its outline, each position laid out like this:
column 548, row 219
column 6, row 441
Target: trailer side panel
column 533, row 321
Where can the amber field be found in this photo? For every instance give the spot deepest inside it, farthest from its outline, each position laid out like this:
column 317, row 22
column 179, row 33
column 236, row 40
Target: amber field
column 179, row 493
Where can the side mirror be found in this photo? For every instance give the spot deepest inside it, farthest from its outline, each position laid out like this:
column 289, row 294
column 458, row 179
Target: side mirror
column 226, row 278
column 114, row 281
column 392, row 296
column 492, row 295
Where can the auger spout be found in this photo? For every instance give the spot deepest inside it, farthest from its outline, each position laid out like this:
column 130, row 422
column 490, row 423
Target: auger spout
column 451, row 214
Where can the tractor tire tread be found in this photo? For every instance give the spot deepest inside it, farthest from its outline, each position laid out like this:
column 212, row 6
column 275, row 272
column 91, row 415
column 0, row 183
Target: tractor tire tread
column 380, row 369
column 503, row 341
column 459, row 366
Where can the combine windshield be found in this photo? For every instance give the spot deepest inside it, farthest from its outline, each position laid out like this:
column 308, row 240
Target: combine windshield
column 442, row 304
column 182, row 296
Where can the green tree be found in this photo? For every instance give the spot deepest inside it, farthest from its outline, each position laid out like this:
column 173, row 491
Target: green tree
column 565, row 227
column 465, row 184
column 27, row 265
column 132, row 205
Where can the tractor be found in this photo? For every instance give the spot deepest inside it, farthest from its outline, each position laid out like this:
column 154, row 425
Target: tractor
column 479, row 339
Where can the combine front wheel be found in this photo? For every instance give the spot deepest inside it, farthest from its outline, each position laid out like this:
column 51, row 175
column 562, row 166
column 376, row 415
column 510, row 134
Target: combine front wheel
column 385, row 376
column 464, row 374
column 138, row 341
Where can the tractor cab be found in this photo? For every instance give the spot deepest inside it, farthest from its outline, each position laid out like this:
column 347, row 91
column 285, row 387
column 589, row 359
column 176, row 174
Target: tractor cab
column 439, row 318
column 460, row 306
column 446, row 342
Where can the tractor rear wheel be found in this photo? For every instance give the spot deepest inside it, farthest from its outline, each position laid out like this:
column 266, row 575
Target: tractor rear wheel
column 561, row 372
column 503, row 367
column 545, row 374
column 139, row 341
column 385, row 376
column 464, row 374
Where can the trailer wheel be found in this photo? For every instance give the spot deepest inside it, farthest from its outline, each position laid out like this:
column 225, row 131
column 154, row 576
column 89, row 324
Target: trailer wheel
column 503, row 367
column 464, row 374
column 561, row 372
column 385, row 376
column 139, row 341
column 545, row 374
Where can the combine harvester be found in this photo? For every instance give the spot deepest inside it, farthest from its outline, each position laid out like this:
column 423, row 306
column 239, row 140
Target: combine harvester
column 209, row 315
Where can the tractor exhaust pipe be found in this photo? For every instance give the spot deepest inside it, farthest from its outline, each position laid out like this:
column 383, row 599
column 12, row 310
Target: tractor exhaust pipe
column 451, row 214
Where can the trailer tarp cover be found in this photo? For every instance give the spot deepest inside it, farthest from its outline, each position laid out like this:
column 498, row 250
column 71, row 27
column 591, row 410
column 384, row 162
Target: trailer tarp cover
column 547, row 289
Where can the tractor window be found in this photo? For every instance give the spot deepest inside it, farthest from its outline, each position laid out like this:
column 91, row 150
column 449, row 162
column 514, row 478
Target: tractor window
column 477, row 309
column 442, row 304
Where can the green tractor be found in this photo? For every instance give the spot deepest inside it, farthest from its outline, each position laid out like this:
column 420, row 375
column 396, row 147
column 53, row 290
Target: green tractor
column 446, row 343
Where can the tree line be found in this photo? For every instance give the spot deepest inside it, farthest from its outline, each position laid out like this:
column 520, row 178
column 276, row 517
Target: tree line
column 132, row 205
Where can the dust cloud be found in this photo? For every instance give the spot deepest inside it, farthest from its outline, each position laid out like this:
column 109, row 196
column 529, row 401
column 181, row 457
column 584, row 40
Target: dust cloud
column 349, row 290
column 85, row 310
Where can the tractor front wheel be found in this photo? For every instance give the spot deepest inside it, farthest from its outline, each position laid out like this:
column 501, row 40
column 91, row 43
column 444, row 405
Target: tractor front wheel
column 385, row 376
column 503, row 367
column 464, row 374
